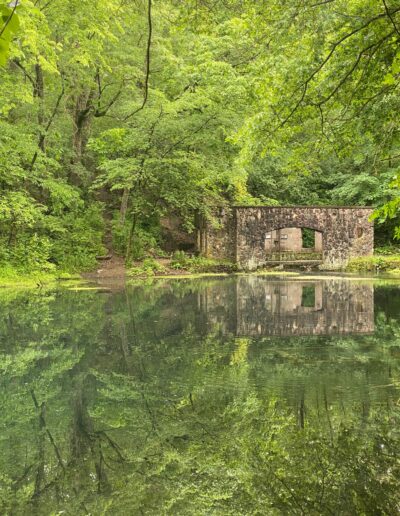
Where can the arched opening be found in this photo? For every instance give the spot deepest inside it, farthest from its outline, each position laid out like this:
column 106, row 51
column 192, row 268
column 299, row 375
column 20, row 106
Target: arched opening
column 292, row 244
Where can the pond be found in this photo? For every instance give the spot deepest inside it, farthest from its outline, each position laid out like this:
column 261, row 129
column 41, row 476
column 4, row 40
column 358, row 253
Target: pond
column 237, row 395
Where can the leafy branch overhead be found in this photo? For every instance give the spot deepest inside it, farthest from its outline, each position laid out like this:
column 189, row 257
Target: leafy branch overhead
column 117, row 118
column 9, row 25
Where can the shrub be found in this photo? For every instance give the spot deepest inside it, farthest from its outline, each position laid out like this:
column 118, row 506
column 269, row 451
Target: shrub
column 180, row 260
column 29, row 253
column 80, row 240
column 374, row 263
column 200, row 264
column 387, row 250
column 144, row 241
column 149, row 267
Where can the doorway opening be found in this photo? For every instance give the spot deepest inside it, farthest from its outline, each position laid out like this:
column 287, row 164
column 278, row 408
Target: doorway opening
column 294, row 244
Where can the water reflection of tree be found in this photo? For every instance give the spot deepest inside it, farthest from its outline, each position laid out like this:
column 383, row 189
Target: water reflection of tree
column 105, row 410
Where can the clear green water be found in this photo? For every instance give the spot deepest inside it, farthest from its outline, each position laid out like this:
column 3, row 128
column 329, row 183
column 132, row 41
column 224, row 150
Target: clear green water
column 242, row 395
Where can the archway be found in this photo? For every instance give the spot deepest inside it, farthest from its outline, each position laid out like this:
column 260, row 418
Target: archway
column 293, row 244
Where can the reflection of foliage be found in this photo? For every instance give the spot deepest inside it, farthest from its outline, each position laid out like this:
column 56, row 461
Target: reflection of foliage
column 308, row 297
column 131, row 402
column 308, row 237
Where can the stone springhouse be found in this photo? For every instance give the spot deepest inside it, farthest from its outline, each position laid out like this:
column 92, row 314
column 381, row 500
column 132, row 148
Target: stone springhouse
column 250, row 235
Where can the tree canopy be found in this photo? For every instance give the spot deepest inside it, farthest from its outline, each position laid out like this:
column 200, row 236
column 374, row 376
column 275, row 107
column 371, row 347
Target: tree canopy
column 114, row 115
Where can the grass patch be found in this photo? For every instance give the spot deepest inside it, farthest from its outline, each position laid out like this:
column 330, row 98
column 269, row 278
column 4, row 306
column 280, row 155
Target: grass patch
column 196, row 264
column 79, row 288
column 12, row 277
column 181, row 265
column 376, row 263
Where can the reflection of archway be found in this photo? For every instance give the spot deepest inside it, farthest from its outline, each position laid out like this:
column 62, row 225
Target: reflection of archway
column 293, row 244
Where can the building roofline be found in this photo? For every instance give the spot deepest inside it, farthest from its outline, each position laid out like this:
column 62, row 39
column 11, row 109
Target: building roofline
column 310, row 207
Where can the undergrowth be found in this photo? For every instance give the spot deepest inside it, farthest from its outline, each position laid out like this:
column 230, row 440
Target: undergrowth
column 149, row 267
column 378, row 263
column 181, row 261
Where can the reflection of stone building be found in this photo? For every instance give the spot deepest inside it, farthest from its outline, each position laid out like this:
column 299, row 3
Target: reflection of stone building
column 256, row 306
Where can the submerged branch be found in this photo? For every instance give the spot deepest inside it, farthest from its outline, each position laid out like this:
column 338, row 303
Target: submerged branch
column 44, row 426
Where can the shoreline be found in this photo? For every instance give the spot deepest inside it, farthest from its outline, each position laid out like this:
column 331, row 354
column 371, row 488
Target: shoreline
column 86, row 281
column 385, row 267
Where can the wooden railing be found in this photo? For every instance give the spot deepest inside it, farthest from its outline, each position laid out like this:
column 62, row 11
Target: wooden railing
column 294, row 256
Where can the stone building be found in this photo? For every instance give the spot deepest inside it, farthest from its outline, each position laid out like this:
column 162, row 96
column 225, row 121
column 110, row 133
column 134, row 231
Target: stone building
column 254, row 236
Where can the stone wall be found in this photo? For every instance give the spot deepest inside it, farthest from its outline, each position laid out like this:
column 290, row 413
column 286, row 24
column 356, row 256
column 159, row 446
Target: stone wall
column 346, row 232
column 218, row 239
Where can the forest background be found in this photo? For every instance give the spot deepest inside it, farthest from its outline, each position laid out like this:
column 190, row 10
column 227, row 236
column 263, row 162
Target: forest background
column 115, row 114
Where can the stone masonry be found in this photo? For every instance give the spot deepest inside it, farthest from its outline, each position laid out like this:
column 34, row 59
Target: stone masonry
column 242, row 233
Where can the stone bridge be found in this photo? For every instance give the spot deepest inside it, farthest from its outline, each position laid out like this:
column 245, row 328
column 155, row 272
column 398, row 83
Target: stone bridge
column 243, row 232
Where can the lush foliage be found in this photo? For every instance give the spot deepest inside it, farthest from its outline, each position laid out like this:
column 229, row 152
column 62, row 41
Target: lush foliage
column 114, row 116
column 182, row 261
column 148, row 267
column 379, row 263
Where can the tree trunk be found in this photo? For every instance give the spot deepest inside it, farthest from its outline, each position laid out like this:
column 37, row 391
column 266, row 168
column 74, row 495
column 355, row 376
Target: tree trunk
column 124, row 204
column 81, row 117
column 130, row 240
column 39, row 93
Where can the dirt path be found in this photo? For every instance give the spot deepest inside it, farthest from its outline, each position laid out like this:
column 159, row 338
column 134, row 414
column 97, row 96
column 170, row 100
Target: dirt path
column 114, row 268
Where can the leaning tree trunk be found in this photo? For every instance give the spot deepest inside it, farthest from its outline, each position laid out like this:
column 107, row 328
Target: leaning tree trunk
column 39, row 93
column 124, row 205
column 82, row 117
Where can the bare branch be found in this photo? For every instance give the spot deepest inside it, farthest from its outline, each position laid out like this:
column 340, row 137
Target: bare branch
column 49, row 123
column 148, row 56
column 354, row 66
column 322, row 3
column 335, row 45
column 9, row 18
column 390, row 16
column 40, row 409
column 174, row 145
column 390, row 158
column 27, row 75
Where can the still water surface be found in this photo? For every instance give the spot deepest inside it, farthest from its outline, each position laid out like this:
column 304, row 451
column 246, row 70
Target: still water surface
column 241, row 395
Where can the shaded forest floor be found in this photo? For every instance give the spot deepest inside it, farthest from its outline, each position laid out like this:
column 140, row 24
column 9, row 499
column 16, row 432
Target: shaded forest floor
column 111, row 268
